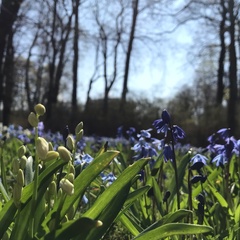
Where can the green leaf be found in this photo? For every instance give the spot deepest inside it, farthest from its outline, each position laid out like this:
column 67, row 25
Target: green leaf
column 9, row 210
column 237, row 214
column 134, row 195
column 169, row 218
column 181, row 172
column 218, row 196
column 127, row 175
column 4, row 192
column 171, row 229
column 110, row 212
column 70, row 229
column 130, row 224
column 82, row 182
column 157, row 196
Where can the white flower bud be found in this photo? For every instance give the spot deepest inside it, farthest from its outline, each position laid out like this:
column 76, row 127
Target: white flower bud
column 42, row 147
column 32, row 119
column 64, row 154
column 40, row 109
column 67, row 186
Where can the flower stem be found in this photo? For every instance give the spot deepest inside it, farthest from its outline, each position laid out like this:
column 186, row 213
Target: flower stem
column 35, row 187
column 175, row 169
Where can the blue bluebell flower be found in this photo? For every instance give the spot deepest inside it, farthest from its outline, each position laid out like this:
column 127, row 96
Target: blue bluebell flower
column 198, row 161
column 120, row 132
column 229, row 146
column 86, row 158
column 168, row 153
column 222, row 153
column 159, row 144
column 85, row 199
column 40, row 129
column 198, row 178
column 162, row 124
column 108, row 178
column 144, row 148
column 178, row 133
column 145, row 133
column 220, row 160
column 237, row 147
column 83, row 160
column 224, row 133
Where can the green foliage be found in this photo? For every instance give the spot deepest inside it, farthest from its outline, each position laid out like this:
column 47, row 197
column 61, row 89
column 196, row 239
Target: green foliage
column 131, row 207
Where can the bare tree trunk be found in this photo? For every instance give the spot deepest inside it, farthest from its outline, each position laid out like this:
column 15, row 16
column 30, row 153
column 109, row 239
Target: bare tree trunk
column 135, row 4
column 232, row 69
column 8, row 14
column 105, row 41
column 8, row 73
column 61, row 62
column 76, row 55
column 56, row 68
column 52, row 64
column 221, row 60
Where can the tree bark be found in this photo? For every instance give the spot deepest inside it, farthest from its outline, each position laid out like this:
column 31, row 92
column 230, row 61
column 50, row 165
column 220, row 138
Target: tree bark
column 8, row 15
column 135, row 4
column 76, row 55
column 8, row 73
column 221, row 60
column 56, row 68
column 232, row 70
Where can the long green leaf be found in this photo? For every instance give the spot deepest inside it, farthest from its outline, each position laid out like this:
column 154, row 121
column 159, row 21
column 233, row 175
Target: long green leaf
column 8, row 212
column 82, row 182
column 134, row 195
column 110, row 212
column 127, row 175
column 130, row 224
column 181, row 172
column 68, row 230
column 218, row 196
column 171, row 229
column 169, row 218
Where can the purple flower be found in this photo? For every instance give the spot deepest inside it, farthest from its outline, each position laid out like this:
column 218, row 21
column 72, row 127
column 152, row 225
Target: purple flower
column 224, row 133
column 83, row 160
column 87, row 158
column 145, row 133
column 144, row 147
column 120, row 132
column 108, row 178
column 178, row 133
column 168, row 153
column 162, row 124
column 220, row 160
column 130, row 132
column 198, row 161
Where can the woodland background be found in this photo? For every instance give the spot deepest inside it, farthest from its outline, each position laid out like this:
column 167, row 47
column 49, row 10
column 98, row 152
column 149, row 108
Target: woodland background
column 43, row 43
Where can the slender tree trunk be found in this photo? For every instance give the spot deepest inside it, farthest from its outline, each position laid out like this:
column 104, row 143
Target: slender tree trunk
column 232, row 70
column 8, row 73
column 135, row 4
column 61, row 62
column 221, row 60
column 76, row 55
column 56, row 68
column 52, row 63
column 8, row 14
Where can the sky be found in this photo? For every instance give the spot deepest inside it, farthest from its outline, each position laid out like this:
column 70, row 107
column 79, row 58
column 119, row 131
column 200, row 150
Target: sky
column 158, row 77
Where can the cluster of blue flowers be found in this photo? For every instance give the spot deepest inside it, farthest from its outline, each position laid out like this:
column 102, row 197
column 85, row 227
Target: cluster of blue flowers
column 222, row 146
column 147, row 146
